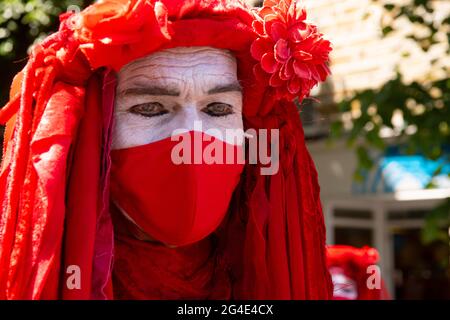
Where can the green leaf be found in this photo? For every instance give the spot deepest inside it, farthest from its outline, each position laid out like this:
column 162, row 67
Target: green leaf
column 336, row 129
column 386, row 30
column 437, row 223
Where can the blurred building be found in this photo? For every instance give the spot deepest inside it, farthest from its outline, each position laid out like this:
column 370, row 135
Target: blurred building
column 387, row 210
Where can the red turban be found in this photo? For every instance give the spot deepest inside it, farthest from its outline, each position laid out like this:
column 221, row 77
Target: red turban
column 56, row 159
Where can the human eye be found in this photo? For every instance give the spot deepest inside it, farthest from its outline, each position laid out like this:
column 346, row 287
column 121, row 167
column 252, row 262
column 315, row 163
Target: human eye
column 149, row 109
column 218, row 109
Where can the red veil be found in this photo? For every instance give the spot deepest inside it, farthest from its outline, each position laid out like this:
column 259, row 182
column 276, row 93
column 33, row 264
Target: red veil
column 55, row 171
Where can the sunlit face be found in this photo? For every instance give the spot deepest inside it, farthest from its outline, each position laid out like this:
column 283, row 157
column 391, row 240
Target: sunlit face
column 172, row 89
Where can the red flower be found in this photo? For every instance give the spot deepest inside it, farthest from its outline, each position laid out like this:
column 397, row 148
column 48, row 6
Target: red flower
column 114, row 32
column 291, row 52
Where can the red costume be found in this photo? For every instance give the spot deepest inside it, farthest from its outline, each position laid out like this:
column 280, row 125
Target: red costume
column 351, row 269
column 55, row 174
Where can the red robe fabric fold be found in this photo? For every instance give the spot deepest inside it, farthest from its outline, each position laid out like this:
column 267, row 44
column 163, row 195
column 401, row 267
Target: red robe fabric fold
column 33, row 254
column 284, row 237
column 147, row 270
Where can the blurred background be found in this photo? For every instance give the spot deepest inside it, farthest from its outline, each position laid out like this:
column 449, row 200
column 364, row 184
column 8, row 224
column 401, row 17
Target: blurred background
column 378, row 129
column 380, row 137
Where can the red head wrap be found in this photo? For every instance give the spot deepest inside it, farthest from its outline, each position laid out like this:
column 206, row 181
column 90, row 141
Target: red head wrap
column 54, row 175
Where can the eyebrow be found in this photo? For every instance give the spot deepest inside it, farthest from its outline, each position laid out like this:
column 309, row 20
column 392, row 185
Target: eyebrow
column 226, row 88
column 164, row 91
column 150, row 90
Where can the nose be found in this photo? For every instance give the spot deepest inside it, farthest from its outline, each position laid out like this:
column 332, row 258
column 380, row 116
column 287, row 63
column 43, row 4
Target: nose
column 188, row 115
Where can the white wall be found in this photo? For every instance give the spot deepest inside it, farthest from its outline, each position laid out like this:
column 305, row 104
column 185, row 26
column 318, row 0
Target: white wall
column 335, row 166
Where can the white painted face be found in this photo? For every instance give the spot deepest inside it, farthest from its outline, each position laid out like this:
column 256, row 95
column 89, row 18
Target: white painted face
column 171, row 89
column 344, row 287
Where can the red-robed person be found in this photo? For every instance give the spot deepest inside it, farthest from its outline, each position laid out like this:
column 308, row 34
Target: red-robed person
column 98, row 201
column 355, row 273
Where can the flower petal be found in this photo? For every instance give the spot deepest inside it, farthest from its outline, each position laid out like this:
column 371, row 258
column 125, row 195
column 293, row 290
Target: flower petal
column 278, row 31
column 283, row 7
column 259, row 47
column 258, row 27
column 300, row 11
column 314, row 73
column 268, row 63
column 299, row 32
column 102, row 11
column 323, row 71
column 302, row 55
column 270, row 3
column 281, row 50
column 266, row 10
column 294, row 86
column 268, row 22
column 301, row 70
column 275, row 80
column 287, row 70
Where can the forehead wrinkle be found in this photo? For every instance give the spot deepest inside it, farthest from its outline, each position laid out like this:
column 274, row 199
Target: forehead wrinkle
column 169, row 68
column 163, row 72
column 152, row 79
column 185, row 51
column 188, row 61
column 194, row 49
column 190, row 70
column 202, row 82
column 183, row 58
column 193, row 54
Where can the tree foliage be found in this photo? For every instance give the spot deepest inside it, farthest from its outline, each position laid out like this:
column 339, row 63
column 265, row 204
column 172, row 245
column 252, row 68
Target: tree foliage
column 22, row 23
column 424, row 106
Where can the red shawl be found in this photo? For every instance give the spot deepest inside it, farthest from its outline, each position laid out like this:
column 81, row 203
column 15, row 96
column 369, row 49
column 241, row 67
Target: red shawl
column 54, row 188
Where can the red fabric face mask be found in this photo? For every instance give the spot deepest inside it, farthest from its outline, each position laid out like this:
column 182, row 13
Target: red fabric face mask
column 176, row 204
